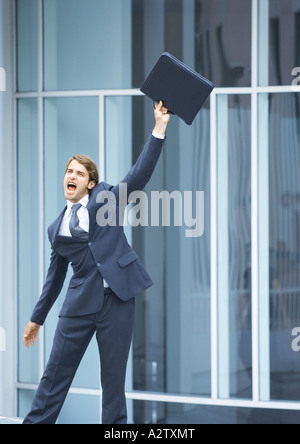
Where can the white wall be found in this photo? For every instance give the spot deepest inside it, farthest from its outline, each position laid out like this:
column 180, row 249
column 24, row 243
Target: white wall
column 7, row 218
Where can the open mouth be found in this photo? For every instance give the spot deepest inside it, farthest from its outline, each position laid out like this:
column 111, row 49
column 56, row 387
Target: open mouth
column 71, row 187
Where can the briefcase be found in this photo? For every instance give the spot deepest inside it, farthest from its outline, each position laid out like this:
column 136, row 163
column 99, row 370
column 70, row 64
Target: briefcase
column 182, row 90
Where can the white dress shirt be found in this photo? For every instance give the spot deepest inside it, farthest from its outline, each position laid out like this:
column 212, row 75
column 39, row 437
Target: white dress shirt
column 83, row 216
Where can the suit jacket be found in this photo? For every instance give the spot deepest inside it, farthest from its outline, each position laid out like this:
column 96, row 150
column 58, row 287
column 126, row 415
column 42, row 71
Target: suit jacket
column 105, row 255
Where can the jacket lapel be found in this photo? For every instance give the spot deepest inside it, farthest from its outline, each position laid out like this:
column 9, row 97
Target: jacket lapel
column 54, row 228
column 93, row 206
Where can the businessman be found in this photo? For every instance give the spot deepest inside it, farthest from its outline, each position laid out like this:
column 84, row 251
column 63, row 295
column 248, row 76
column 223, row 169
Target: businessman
column 100, row 299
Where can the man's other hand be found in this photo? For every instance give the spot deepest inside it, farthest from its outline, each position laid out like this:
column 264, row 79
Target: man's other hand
column 31, row 334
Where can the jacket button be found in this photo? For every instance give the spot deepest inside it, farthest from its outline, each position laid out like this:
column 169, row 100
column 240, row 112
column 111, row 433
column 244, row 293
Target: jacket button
column 98, row 265
column 90, row 243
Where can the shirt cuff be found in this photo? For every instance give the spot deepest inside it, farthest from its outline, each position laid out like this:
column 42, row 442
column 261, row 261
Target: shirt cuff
column 157, row 136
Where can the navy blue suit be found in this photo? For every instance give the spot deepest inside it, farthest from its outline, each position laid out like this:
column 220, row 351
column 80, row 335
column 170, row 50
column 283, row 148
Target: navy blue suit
column 88, row 307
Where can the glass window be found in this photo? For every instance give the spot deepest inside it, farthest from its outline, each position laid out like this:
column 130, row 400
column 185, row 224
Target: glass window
column 212, row 36
column 279, row 44
column 25, row 400
column 171, row 348
column 118, row 144
column 234, row 246
column 27, row 45
column 80, row 409
column 147, row 412
column 28, row 231
column 223, row 41
column 284, row 282
column 87, row 45
column 239, row 198
column 284, row 22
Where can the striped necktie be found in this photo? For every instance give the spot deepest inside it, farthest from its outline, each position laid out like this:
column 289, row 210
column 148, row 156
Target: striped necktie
column 75, row 229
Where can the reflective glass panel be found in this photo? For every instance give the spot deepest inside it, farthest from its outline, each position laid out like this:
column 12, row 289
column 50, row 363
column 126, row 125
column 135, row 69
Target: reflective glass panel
column 80, row 409
column 27, row 45
column 211, row 36
column 28, row 231
column 171, row 348
column 87, row 45
column 284, row 158
column 284, row 40
column 234, row 246
column 25, row 400
column 223, row 41
column 147, row 412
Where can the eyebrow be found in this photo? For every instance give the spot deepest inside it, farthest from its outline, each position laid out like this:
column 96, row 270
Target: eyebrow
column 70, row 170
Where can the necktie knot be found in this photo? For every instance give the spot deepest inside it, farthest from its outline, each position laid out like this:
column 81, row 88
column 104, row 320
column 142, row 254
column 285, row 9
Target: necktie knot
column 75, row 208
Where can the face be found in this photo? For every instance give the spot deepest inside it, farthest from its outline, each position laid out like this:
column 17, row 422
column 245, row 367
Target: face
column 77, row 182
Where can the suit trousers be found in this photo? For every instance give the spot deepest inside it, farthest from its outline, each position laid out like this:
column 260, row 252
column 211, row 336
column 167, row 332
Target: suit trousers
column 113, row 327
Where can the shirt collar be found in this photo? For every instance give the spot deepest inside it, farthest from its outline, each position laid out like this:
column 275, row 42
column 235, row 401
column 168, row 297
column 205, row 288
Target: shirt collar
column 84, row 202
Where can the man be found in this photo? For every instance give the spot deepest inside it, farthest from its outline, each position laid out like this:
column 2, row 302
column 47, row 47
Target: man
column 107, row 276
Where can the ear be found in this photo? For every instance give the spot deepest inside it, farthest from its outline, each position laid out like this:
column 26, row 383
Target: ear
column 91, row 185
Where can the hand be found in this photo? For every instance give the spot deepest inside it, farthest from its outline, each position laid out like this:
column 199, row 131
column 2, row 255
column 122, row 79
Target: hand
column 30, row 334
column 162, row 118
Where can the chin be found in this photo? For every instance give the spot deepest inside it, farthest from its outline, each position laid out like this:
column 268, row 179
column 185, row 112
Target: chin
column 71, row 198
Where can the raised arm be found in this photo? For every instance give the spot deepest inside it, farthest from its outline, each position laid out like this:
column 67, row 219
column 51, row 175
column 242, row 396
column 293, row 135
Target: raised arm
column 141, row 172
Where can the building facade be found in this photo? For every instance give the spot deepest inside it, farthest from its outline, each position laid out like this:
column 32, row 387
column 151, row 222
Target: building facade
column 216, row 338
